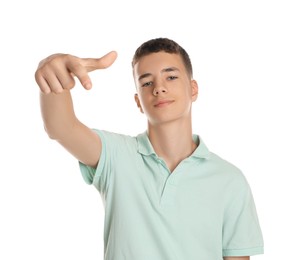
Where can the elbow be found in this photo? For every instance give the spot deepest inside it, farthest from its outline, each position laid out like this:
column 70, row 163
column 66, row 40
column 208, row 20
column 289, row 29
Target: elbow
column 60, row 130
column 52, row 134
column 49, row 133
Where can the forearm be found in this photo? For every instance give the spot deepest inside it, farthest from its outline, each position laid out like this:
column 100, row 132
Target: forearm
column 58, row 114
column 55, row 77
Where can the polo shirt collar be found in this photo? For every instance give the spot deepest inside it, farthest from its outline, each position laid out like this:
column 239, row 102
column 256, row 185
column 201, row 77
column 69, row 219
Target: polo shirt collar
column 145, row 147
column 201, row 151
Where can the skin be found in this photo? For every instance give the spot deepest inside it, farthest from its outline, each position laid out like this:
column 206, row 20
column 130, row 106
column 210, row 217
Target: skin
column 165, row 93
column 55, row 77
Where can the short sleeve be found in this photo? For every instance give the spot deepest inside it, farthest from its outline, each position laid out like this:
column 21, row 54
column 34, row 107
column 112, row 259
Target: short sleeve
column 100, row 175
column 242, row 234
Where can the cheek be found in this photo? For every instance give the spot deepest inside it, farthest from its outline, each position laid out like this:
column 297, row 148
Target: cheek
column 142, row 104
column 144, row 96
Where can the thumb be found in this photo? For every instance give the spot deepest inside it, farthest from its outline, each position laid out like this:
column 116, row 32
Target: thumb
column 101, row 63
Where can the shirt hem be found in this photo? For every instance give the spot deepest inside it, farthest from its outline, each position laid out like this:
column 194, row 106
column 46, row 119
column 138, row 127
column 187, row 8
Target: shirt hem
column 243, row 252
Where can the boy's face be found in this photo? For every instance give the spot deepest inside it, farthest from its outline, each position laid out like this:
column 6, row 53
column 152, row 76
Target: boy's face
column 165, row 91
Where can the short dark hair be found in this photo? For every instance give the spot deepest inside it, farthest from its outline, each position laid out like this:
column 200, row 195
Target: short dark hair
column 164, row 45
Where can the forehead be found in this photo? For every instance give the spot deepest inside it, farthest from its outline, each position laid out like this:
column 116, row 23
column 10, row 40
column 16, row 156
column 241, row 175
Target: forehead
column 154, row 62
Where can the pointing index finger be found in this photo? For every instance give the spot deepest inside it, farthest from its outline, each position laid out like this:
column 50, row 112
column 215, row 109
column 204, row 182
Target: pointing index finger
column 100, row 63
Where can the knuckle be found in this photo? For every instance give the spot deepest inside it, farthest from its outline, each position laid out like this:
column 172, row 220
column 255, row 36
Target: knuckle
column 77, row 68
column 57, row 90
column 37, row 75
column 53, row 61
column 69, row 84
column 45, row 91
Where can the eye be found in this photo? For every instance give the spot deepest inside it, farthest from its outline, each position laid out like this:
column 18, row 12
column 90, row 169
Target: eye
column 172, row 77
column 147, row 84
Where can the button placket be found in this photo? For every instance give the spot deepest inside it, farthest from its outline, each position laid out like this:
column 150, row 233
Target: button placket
column 168, row 197
column 171, row 181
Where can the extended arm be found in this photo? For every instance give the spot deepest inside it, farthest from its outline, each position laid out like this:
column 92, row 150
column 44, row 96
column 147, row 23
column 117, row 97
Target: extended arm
column 55, row 77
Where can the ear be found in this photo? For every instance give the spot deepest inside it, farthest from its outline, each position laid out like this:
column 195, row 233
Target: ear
column 194, row 90
column 137, row 100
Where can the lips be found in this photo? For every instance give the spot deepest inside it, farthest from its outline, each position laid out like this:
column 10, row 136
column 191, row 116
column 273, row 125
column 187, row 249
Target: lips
column 163, row 103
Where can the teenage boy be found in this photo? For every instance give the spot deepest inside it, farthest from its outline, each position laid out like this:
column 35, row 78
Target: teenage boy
column 166, row 196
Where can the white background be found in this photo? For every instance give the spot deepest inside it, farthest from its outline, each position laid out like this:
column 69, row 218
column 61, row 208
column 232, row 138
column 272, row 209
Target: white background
column 247, row 60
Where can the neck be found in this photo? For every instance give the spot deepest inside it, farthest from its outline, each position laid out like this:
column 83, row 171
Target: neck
column 172, row 141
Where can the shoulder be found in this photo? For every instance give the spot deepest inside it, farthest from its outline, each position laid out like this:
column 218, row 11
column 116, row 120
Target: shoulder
column 116, row 141
column 225, row 166
column 107, row 135
column 230, row 174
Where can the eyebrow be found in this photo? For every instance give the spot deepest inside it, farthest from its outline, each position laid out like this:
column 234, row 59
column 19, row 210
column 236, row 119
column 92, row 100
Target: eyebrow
column 169, row 69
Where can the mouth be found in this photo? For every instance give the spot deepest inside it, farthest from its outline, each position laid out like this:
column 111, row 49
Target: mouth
column 163, row 103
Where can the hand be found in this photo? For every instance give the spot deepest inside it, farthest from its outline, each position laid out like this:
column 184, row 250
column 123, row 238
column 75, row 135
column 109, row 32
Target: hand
column 57, row 72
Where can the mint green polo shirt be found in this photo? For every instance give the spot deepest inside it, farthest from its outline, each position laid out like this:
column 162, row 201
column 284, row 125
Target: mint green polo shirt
column 204, row 209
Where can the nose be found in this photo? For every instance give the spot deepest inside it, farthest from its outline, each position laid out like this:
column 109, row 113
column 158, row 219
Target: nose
column 157, row 90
